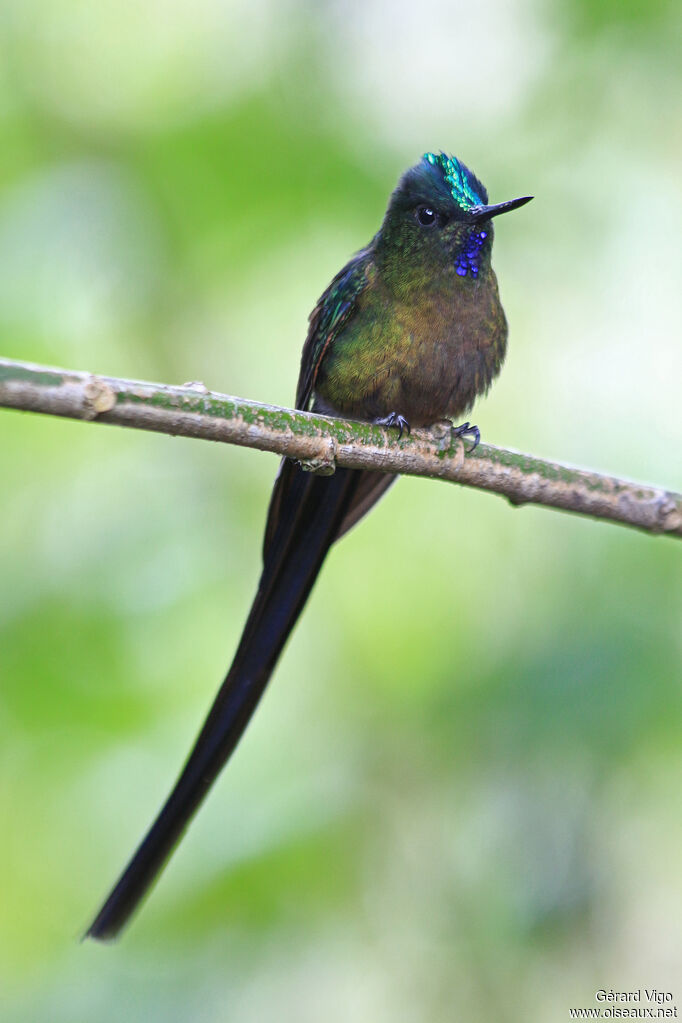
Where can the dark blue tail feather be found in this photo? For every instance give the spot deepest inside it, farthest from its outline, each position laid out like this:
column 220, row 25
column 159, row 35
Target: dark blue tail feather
column 310, row 510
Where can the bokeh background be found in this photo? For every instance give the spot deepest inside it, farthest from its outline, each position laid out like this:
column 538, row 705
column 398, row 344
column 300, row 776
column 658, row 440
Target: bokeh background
column 460, row 798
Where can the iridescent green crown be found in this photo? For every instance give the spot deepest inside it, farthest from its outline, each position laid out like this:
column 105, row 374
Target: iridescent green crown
column 466, row 189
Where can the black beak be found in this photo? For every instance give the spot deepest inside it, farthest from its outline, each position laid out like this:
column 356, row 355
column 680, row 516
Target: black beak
column 480, row 213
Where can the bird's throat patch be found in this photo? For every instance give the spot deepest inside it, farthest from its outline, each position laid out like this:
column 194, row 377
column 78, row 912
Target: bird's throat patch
column 469, row 256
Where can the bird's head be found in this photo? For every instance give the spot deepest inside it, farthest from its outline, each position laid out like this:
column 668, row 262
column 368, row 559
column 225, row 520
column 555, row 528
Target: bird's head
column 438, row 222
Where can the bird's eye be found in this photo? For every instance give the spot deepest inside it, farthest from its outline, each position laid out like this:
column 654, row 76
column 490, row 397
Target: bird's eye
column 426, row 216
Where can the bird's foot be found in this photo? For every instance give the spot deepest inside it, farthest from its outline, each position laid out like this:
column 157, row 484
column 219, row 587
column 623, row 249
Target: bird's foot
column 393, row 419
column 467, row 430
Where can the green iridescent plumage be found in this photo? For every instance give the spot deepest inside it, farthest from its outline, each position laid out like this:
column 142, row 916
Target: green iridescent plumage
column 466, row 189
column 327, row 320
column 410, row 330
column 413, row 324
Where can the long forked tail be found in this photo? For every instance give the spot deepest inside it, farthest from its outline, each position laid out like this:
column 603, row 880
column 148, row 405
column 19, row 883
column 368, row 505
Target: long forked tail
column 309, row 511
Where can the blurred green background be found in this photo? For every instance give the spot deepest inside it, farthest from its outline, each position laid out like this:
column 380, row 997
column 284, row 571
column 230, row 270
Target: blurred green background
column 460, row 798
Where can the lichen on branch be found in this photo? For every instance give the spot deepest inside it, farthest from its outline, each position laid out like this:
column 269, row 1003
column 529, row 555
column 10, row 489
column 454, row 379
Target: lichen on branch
column 321, row 443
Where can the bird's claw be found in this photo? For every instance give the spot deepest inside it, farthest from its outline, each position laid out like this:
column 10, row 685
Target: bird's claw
column 467, row 430
column 393, row 419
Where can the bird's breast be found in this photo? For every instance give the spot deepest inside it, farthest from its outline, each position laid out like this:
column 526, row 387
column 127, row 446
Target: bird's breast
column 427, row 360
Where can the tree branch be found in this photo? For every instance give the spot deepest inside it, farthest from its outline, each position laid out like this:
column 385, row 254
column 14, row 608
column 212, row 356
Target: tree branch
column 322, row 443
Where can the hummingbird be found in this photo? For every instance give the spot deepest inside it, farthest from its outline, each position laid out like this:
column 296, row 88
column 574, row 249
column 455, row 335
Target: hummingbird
column 410, row 332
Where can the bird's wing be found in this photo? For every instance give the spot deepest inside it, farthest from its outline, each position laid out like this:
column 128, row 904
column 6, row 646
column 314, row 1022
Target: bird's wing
column 331, row 314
